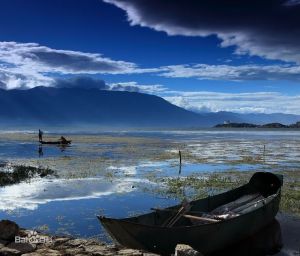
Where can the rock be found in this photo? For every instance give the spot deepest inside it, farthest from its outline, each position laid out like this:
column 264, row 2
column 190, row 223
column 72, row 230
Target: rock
column 137, row 253
column 96, row 250
column 60, row 240
column 44, row 252
column 5, row 251
column 186, row 250
column 8, row 230
column 92, row 242
column 3, row 243
column 24, row 232
column 130, row 252
column 108, row 254
column 73, row 251
column 22, row 247
column 32, row 254
column 112, row 247
column 76, row 242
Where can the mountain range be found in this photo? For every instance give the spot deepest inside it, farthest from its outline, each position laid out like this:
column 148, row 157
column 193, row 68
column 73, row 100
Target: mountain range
column 49, row 106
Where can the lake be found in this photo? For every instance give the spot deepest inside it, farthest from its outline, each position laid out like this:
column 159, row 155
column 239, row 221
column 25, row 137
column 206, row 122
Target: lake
column 119, row 173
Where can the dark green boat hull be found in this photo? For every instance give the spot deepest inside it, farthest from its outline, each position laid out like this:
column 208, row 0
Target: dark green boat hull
column 145, row 231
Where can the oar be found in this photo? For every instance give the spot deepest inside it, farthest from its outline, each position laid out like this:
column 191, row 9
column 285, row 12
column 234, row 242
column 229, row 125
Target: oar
column 170, row 210
column 174, row 218
column 199, row 218
column 191, row 216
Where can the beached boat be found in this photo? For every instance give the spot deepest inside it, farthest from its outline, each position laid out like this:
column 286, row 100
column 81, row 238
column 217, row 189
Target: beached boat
column 208, row 224
column 59, row 142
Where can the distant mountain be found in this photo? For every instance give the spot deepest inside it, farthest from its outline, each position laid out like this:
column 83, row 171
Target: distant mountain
column 260, row 118
column 59, row 106
column 248, row 125
column 76, row 106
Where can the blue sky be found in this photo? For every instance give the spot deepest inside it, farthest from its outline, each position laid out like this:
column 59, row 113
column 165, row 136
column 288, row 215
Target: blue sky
column 210, row 67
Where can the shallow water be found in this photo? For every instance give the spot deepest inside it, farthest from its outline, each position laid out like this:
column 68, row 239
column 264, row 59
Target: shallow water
column 107, row 173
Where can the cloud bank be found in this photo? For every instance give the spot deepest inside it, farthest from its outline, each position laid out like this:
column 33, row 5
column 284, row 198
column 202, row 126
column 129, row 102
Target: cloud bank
column 92, row 83
column 268, row 28
column 258, row 102
column 233, row 73
column 27, row 65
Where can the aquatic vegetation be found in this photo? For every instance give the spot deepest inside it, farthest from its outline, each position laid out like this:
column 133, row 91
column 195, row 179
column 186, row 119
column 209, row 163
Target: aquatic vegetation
column 194, row 187
column 21, row 173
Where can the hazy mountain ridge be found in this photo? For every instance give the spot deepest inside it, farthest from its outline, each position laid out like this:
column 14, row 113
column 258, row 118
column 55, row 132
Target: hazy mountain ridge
column 75, row 106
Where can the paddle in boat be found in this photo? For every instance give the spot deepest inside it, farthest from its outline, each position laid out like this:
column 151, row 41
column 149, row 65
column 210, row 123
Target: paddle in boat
column 208, row 224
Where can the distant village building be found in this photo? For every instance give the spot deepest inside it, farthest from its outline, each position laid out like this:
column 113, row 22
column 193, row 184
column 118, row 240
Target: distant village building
column 227, row 122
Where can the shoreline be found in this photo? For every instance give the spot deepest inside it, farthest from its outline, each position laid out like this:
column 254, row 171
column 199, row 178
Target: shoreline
column 61, row 245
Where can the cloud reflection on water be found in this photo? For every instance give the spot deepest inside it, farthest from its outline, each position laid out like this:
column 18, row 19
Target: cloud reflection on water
column 40, row 191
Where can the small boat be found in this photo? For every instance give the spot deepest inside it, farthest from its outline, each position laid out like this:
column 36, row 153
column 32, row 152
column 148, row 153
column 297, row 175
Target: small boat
column 208, row 225
column 59, row 142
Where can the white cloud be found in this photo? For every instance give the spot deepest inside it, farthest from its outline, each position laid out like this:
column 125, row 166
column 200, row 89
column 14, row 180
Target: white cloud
column 233, row 73
column 260, row 102
column 20, row 56
column 26, row 65
column 135, row 87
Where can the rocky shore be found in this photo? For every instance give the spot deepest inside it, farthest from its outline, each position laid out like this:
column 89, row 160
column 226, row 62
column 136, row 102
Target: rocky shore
column 17, row 241
column 281, row 238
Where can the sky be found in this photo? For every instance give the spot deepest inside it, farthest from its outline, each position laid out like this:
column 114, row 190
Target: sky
column 211, row 55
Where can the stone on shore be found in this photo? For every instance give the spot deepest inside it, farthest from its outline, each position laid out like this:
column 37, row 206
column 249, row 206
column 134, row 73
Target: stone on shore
column 5, row 251
column 60, row 240
column 76, row 242
column 186, row 250
column 3, row 243
column 44, row 252
column 57, row 246
column 130, row 252
column 8, row 230
column 22, row 247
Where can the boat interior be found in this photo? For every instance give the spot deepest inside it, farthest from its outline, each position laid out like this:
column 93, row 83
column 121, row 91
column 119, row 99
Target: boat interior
column 262, row 188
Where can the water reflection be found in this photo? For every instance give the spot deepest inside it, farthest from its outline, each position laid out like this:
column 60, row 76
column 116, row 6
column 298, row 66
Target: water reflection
column 29, row 195
column 61, row 147
column 180, row 162
column 41, row 153
column 267, row 241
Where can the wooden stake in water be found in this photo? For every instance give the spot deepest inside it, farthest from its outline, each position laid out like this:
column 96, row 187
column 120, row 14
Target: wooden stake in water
column 264, row 153
column 179, row 162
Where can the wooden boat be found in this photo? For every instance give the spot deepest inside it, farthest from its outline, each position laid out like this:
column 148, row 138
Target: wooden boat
column 59, row 142
column 149, row 232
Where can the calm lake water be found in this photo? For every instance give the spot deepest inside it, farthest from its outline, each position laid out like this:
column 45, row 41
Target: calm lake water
column 112, row 173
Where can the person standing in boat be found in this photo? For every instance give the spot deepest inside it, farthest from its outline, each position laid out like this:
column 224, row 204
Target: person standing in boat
column 63, row 140
column 40, row 135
